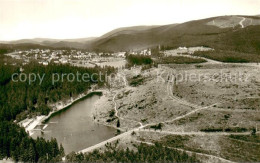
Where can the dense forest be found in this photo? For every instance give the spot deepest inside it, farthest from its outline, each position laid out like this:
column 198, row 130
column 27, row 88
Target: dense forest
column 143, row 153
column 16, row 144
column 138, row 60
column 22, row 98
column 179, row 60
column 19, row 97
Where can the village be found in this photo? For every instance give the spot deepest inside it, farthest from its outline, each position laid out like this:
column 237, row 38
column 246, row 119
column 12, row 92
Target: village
column 73, row 57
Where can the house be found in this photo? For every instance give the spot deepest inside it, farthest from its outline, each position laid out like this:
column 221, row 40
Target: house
column 45, row 63
column 63, row 60
column 146, row 52
column 120, row 54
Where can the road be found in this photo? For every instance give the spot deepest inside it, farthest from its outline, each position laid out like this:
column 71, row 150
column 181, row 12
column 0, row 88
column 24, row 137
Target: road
column 241, row 22
column 196, row 133
column 99, row 145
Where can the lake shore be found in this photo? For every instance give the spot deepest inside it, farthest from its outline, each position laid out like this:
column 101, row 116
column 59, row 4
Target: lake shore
column 31, row 123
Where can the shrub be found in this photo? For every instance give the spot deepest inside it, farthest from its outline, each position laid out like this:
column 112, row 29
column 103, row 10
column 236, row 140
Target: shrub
column 139, row 60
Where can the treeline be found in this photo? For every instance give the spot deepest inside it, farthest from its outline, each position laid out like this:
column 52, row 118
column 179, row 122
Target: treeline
column 179, row 60
column 144, row 153
column 16, row 144
column 138, row 60
column 229, row 129
column 3, row 51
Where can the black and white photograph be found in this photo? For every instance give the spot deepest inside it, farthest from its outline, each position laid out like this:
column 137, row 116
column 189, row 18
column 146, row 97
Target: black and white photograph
column 130, row 81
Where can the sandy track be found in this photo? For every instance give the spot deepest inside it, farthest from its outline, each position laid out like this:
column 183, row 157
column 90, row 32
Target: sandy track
column 196, row 133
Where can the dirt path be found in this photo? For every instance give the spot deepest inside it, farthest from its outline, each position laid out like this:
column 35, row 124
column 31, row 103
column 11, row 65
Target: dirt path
column 101, row 144
column 116, row 112
column 115, row 107
column 183, row 102
column 242, row 141
column 241, row 22
column 196, row 133
column 234, row 110
column 122, row 76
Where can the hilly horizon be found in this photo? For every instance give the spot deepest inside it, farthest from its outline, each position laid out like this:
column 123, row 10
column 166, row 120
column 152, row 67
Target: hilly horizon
column 220, row 32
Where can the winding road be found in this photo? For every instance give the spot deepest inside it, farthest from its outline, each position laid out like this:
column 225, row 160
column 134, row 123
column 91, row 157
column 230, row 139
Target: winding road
column 199, row 133
column 241, row 22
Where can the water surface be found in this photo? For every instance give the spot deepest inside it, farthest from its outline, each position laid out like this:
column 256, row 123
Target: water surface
column 75, row 128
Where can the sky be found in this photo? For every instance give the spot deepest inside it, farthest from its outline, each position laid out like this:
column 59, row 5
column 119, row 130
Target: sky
column 64, row 19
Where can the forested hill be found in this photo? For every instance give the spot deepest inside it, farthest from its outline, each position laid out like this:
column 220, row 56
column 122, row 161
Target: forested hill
column 15, row 143
column 20, row 97
column 222, row 33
